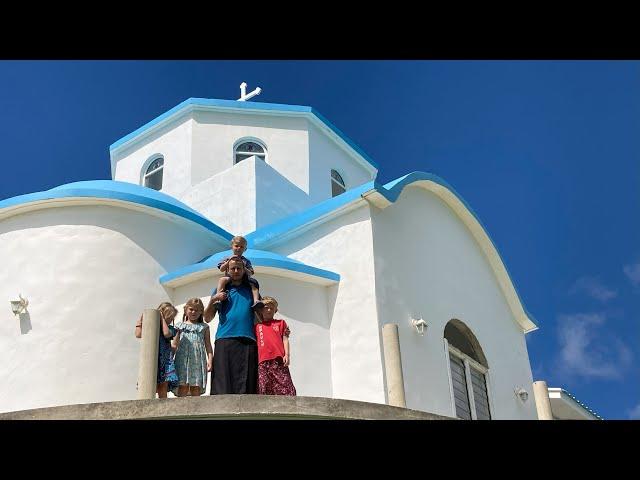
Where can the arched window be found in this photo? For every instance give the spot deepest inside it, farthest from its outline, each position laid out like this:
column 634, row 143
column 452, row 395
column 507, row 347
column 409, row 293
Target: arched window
column 468, row 371
column 337, row 184
column 153, row 175
column 244, row 150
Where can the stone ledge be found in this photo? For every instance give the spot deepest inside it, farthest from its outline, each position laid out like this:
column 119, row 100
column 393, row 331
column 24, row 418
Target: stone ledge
column 225, row 407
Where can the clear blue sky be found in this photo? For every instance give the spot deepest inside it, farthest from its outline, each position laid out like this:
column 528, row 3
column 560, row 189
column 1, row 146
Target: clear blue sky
column 547, row 153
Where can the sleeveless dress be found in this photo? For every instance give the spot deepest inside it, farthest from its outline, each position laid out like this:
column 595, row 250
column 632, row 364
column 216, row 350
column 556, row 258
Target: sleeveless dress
column 191, row 357
column 166, row 367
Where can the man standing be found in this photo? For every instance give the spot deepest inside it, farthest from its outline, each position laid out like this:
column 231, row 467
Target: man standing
column 235, row 358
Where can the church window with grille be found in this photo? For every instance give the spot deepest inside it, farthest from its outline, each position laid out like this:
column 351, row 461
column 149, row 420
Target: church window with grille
column 153, row 174
column 244, row 150
column 468, row 373
column 337, row 184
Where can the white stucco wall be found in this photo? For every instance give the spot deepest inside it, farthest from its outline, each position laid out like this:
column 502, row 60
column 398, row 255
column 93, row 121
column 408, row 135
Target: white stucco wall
column 199, row 145
column 286, row 140
column 88, row 272
column 246, row 196
column 228, row 199
column 427, row 265
column 326, row 155
column 344, row 245
column 276, row 197
column 173, row 142
column 199, row 170
column 304, row 307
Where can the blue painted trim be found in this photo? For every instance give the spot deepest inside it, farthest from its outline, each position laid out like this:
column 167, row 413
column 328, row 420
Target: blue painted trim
column 341, row 134
column 259, row 258
column 128, row 192
column 265, row 235
column 391, row 191
column 212, row 102
column 395, row 187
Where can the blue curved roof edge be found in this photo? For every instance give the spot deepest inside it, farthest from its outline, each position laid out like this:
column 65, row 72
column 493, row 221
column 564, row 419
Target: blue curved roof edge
column 259, row 258
column 274, row 230
column 391, row 191
column 214, row 102
column 124, row 191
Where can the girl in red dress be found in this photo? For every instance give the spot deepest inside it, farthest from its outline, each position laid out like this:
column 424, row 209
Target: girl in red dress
column 272, row 336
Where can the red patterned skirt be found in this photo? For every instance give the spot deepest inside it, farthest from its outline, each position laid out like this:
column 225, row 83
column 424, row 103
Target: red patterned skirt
column 274, row 378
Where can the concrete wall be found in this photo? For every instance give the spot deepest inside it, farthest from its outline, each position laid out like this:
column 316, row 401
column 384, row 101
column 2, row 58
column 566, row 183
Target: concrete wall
column 304, row 307
column 427, row 265
column 88, row 272
column 226, row 407
column 344, row 245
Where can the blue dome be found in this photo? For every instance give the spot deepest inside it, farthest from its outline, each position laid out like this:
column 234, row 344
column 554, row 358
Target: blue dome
column 124, row 191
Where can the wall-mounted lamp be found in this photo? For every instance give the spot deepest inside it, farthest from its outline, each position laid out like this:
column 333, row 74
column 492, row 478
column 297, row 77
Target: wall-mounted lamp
column 522, row 394
column 420, row 325
column 19, row 306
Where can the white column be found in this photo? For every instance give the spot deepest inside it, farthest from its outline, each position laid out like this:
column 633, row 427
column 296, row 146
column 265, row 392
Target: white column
column 393, row 365
column 543, row 405
column 148, row 362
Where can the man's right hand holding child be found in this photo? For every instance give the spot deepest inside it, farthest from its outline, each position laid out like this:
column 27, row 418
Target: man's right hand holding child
column 220, row 296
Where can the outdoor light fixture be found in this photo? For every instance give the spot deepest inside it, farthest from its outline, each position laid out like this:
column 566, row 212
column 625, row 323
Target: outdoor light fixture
column 522, row 394
column 420, row 326
column 19, row 306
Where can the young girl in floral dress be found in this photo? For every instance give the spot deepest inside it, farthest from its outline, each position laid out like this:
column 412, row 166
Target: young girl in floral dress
column 194, row 354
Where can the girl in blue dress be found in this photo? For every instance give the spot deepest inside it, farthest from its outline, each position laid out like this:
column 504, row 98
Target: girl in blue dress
column 194, row 354
column 167, row 377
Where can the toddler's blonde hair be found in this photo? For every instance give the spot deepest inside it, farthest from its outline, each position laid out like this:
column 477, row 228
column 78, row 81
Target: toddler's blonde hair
column 239, row 239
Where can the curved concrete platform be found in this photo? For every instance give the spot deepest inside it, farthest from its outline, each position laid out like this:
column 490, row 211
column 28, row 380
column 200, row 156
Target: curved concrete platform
column 226, row 407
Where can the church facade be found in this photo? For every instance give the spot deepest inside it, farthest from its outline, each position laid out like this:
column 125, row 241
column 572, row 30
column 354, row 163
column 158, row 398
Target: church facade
column 343, row 254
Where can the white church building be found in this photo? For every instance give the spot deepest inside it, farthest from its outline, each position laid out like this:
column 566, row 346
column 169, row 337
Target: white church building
column 343, row 254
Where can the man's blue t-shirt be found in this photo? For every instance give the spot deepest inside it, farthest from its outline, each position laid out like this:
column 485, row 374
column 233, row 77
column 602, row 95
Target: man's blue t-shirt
column 235, row 314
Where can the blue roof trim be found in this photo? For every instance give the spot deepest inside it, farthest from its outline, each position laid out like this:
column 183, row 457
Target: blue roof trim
column 150, row 124
column 128, row 192
column 213, row 102
column 339, row 132
column 266, row 234
column 391, row 191
column 259, row 258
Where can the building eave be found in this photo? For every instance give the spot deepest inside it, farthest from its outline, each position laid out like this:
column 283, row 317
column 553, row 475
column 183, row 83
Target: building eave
column 216, row 105
column 263, row 262
column 382, row 196
column 112, row 193
column 559, row 396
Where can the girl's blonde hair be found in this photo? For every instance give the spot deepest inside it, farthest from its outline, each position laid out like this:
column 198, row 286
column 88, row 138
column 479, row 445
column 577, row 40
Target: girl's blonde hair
column 197, row 304
column 165, row 307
